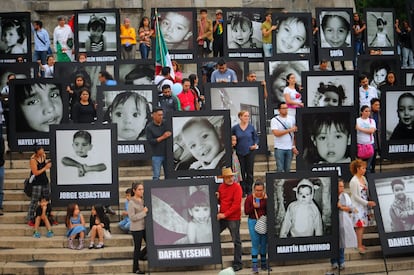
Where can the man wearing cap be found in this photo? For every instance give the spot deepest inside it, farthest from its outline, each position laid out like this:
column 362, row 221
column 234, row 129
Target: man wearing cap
column 218, row 32
column 229, row 196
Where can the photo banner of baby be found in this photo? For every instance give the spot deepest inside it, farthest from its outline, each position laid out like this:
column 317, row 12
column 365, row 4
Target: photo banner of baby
column 327, row 142
column 182, row 227
column 85, row 164
column 302, row 215
column 129, row 107
column 398, row 129
column 97, row 34
column 201, row 143
column 394, row 194
column 35, row 105
column 381, row 35
column 15, row 39
column 335, row 33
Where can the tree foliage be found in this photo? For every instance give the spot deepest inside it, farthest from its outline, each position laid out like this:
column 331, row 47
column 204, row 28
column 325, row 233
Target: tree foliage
column 399, row 6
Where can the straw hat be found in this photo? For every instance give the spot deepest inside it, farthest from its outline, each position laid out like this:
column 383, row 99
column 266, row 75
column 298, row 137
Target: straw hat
column 226, row 171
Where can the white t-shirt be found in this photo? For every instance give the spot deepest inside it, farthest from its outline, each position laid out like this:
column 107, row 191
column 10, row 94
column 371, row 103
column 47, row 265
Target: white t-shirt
column 365, row 96
column 363, row 138
column 293, row 95
column 284, row 142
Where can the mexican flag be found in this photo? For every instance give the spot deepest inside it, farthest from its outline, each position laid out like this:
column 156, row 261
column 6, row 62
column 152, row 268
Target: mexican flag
column 162, row 57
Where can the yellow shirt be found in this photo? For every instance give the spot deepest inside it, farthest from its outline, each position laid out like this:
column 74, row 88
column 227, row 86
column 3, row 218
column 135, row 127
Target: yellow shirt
column 128, row 32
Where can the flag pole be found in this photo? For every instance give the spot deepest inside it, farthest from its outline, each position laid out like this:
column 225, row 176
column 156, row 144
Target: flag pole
column 158, row 36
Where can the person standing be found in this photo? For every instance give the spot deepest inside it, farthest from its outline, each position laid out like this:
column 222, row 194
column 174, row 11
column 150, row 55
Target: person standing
column 1, row 173
column 157, row 134
column 167, row 101
column 205, row 34
column 229, row 197
column 255, row 207
column 252, row 77
column 283, row 128
column 359, row 198
column 404, row 34
column 223, row 74
column 358, row 32
column 38, row 167
column 145, row 35
column 247, row 143
column 137, row 213
column 128, row 40
column 366, row 91
column 63, row 40
column 41, row 42
column 267, row 30
column 218, row 33
column 365, row 127
column 188, row 98
column 291, row 94
column 376, row 116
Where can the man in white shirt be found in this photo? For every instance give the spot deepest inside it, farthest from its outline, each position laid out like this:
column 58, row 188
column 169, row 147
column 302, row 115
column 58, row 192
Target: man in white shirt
column 366, row 92
column 283, row 128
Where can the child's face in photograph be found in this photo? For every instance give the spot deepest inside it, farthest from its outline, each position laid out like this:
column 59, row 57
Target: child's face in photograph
column 280, row 83
column 335, row 32
column 406, row 111
column 200, row 214
column 10, row 36
column 130, row 118
column 330, row 99
column 399, row 190
column 241, row 34
column 331, row 144
column 96, row 33
column 380, row 75
column 175, row 28
column 81, row 147
column 290, row 37
column 42, row 107
column 202, row 142
column 304, row 194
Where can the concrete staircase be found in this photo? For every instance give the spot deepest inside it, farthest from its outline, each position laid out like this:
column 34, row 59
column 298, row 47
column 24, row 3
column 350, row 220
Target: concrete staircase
column 20, row 253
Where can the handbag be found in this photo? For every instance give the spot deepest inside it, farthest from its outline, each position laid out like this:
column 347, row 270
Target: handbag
column 365, row 151
column 107, row 234
column 28, row 186
column 261, row 224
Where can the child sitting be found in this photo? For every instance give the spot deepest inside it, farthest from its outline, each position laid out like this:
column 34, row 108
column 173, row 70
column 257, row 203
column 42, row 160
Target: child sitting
column 99, row 226
column 75, row 223
column 125, row 223
column 44, row 217
column 303, row 218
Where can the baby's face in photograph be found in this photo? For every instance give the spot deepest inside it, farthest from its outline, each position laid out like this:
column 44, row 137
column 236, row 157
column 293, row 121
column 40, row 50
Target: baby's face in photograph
column 380, row 76
column 241, row 34
column 202, row 142
column 304, row 194
column 81, row 147
column 96, row 33
column 406, row 111
column 10, row 36
column 330, row 99
column 331, row 144
column 175, row 28
column 130, row 118
column 290, row 36
column 200, row 214
column 335, row 32
column 43, row 107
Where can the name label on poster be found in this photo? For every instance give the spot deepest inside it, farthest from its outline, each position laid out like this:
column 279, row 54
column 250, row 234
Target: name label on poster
column 287, row 249
column 100, row 58
column 249, row 55
column 336, row 53
column 131, row 149
column 328, row 168
column 401, row 148
column 85, row 195
column 182, row 56
column 32, row 141
column 184, row 253
column 400, row 242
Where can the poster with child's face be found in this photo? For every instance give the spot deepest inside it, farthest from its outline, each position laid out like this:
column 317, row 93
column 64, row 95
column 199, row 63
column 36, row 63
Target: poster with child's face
column 302, row 215
column 182, row 228
column 84, row 167
column 327, row 141
column 129, row 107
column 15, row 37
column 398, row 129
column 335, row 33
column 200, row 145
column 394, row 194
column 380, row 31
column 97, row 34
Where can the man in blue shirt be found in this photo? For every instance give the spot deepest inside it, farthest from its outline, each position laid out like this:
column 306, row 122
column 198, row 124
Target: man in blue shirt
column 41, row 42
column 223, row 74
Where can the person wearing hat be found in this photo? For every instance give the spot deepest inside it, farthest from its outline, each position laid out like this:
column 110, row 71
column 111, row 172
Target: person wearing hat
column 218, row 32
column 229, row 196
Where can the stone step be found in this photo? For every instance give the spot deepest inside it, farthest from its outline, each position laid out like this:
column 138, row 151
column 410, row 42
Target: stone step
column 122, row 266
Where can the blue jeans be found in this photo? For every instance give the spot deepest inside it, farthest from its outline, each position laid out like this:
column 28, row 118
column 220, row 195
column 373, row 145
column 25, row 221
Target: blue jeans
column 267, row 49
column 407, row 58
column 283, row 160
column 144, row 50
column 234, row 228
column 157, row 161
column 124, row 224
column 40, row 55
column 259, row 241
column 341, row 259
column 358, row 50
column 1, row 185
